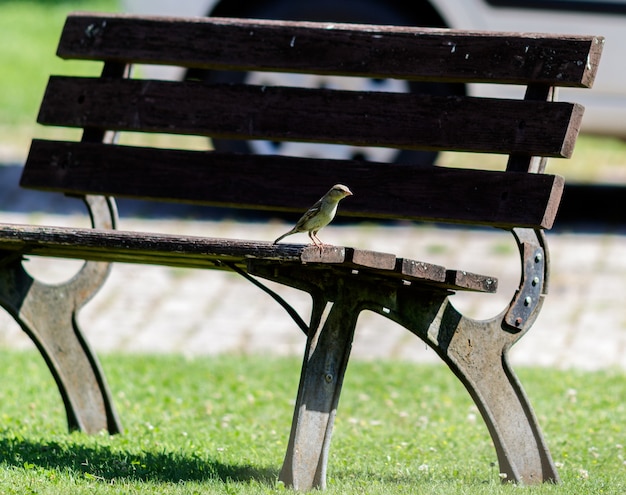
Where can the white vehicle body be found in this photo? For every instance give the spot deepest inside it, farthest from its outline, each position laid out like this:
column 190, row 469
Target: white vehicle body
column 605, row 105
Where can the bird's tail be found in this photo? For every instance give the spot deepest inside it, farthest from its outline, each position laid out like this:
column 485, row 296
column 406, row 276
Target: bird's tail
column 292, row 231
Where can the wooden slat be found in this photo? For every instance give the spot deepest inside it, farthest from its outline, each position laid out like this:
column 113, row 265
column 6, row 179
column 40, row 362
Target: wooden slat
column 331, row 48
column 202, row 252
column 479, row 283
column 416, row 269
column 408, row 121
column 372, row 259
column 140, row 247
column 503, row 199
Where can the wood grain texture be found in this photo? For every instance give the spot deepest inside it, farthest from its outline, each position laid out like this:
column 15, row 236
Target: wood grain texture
column 204, row 252
column 396, row 120
column 502, row 199
column 417, row 269
column 331, row 48
column 468, row 279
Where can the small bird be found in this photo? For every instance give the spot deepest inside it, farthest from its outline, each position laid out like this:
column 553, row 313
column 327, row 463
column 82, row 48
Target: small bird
column 320, row 214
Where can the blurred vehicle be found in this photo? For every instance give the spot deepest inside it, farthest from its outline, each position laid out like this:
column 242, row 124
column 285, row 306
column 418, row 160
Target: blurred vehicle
column 605, row 106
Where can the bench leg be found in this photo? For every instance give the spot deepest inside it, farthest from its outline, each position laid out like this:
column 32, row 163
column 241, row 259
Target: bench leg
column 325, row 362
column 48, row 315
column 523, row 454
column 476, row 351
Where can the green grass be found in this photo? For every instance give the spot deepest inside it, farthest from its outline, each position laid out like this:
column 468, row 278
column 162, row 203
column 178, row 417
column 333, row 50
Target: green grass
column 220, row 425
column 598, row 159
column 29, row 34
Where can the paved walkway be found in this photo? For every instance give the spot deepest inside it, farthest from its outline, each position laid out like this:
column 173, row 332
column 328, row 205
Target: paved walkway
column 157, row 309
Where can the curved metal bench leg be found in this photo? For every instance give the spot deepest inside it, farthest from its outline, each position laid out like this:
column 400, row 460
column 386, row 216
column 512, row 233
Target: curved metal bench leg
column 476, row 351
column 48, row 314
column 523, row 454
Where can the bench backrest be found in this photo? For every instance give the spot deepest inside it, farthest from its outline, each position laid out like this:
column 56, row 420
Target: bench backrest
column 522, row 129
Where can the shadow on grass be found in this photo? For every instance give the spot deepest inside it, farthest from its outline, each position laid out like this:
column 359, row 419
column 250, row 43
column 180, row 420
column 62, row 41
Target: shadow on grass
column 104, row 462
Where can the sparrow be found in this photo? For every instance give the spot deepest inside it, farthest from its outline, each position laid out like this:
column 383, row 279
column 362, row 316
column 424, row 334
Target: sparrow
column 320, row 214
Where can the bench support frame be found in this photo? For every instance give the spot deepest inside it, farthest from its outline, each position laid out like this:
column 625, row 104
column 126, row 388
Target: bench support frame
column 49, row 315
column 344, row 282
column 476, row 351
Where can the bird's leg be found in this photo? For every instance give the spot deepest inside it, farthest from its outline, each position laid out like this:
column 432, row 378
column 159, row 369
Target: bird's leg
column 316, row 240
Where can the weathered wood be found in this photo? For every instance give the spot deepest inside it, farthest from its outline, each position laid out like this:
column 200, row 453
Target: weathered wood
column 470, row 280
column 138, row 247
column 502, row 199
column 371, row 259
column 331, row 48
column 417, row 269
column 397, row 120
column 203, row 252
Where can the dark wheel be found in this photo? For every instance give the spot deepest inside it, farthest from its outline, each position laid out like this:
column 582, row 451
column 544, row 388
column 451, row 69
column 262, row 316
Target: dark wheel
column 359, row 11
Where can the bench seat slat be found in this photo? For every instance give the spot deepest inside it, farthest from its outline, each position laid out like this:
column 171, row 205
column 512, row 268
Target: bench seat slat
column 396, row 120
column 501, row 199
column 204, row 252
column 331, row 48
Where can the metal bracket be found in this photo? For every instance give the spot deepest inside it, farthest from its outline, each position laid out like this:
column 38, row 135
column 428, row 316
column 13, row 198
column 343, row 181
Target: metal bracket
column 528, row 297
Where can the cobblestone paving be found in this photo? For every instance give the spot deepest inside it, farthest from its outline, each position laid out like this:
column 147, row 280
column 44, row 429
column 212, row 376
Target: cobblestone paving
column 156, row 309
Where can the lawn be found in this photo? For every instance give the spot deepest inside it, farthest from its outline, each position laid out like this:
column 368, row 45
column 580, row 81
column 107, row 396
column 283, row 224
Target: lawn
column 29, row 33
column 220, row 425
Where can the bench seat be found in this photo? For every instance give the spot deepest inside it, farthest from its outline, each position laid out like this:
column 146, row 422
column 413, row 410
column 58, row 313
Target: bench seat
column 206, row 252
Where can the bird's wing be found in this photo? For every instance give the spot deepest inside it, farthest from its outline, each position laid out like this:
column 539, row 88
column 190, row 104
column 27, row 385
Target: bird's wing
column 310, row 213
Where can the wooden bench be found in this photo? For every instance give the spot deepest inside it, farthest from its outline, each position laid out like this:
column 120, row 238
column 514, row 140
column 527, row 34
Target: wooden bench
column 345, row 280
